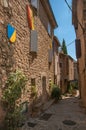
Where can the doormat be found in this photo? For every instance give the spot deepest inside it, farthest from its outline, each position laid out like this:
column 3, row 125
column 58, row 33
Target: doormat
column 45, row 117
column 30, row 124
column 69, row 122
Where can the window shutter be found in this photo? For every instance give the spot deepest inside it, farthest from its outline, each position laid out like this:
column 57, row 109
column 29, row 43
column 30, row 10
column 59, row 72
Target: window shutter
column 74, row 14
column 56, row 58
column 78, row 48
column 50, row 55
column 49, row 29
column 34, row 40
column 34, row 3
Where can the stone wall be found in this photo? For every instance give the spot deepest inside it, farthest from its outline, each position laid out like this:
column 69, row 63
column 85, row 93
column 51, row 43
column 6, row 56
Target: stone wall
column 17, row 55
column 71, row 68
column 82, row 59
column 63, row 71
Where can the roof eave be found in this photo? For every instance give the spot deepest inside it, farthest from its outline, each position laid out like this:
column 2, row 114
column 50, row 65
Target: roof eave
column 57, row 41
column 49, row 11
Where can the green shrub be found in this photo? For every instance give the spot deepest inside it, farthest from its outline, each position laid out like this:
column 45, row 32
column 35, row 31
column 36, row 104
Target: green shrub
column 15, row 84
column 14, row 119
column 71, row 89
column 56, row 92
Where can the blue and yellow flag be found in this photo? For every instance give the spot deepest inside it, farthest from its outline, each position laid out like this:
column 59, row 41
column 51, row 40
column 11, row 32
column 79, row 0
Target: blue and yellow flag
column 11, row 33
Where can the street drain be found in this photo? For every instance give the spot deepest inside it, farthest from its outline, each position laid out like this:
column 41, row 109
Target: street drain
column 69, row 122
column 30, row 124
column 45, row 117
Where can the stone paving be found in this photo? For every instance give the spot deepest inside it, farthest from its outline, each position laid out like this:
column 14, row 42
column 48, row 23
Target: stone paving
column 66, row 110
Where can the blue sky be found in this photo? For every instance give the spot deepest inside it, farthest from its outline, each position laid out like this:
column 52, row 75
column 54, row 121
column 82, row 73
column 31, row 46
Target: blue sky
column 65, row 28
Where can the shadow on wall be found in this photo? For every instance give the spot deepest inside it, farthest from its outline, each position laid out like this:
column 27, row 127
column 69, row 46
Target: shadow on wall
column 6, row 63
column 39, row 102
column 6, row 57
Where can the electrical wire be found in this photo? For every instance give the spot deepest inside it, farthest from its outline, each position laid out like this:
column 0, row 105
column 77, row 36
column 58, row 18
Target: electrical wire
column 68, row 5
column 78, row 22
column 77, row 19
column 74, row 40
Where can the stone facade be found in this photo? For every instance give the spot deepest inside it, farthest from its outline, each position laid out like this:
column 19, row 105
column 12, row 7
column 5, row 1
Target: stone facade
column 79, row 19
column 63, row 64
column 71, row 68
column 56, row 45
column 17, row 55
column 75, row 71
column 66, row 70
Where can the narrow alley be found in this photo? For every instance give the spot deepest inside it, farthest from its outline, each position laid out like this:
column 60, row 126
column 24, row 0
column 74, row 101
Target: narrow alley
column 64, row 115
column 42, row 60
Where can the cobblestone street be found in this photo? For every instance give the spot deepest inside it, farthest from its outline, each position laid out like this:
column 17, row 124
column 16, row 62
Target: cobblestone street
column 64, row 115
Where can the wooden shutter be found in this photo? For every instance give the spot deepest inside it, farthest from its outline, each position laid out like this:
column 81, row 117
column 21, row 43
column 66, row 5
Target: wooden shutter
column 78, row 48
column 34, row 40
column 74, row 13
column 56, row 61
column 50, row 55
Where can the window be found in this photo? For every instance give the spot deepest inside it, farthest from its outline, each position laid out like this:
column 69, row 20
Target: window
column 49, row 29
column 33, row 82
column 44, row 81
column 60, row 65
column 34, row 3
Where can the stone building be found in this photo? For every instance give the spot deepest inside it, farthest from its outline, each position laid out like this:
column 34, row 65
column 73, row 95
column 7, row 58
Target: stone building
column 63, row 65
column 79, row 22
column 75, row 71
column 72, row 72
column 66, row 70
column 56, row 45
column 31, row 52
column 70, row 68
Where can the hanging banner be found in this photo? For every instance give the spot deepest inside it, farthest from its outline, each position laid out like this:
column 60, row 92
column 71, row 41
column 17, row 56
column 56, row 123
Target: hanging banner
column 50, row 45
column 11, row 33
column 30, row 17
